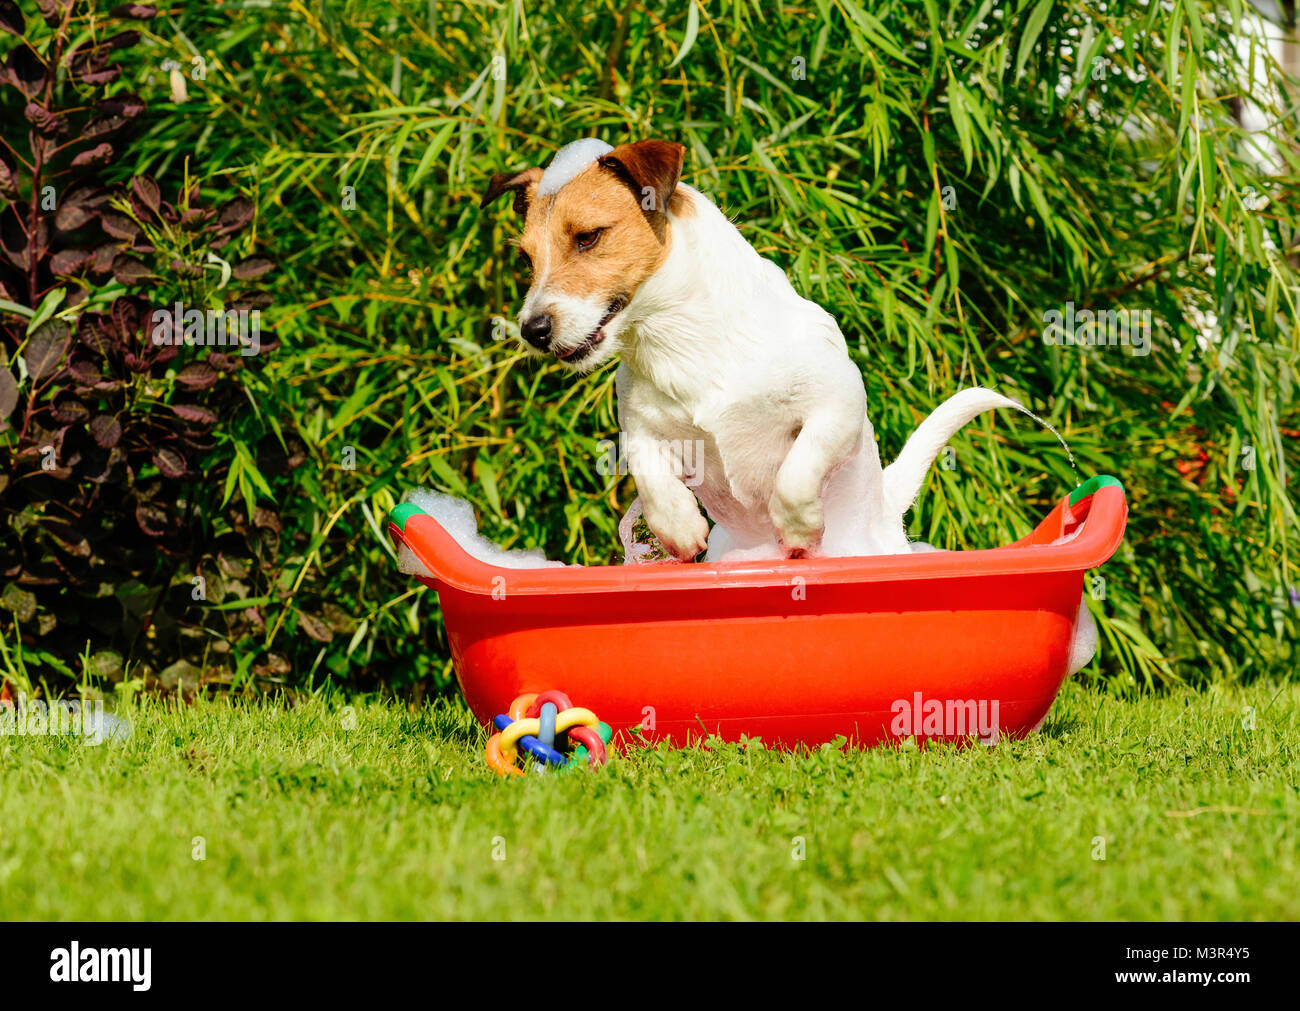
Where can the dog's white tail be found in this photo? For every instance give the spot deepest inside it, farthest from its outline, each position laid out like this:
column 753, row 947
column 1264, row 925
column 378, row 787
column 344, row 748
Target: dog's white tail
column 903, row 478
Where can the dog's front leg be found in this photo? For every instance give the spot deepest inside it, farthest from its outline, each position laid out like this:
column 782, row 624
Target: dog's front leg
column 796, row 509
column 669, row 507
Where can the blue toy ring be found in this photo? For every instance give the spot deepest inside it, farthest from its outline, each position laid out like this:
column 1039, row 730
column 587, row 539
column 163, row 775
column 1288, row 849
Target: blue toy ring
column 547, row 719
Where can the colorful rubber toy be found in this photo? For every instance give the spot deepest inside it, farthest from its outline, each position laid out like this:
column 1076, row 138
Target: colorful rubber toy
column 542, row 724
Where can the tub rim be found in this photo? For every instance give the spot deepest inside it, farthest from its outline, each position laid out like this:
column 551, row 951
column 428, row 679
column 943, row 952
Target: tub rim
column 1095, row 513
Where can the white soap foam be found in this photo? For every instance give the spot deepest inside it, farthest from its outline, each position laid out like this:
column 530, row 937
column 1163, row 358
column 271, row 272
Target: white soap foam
column 568, row 162
column 456, row 516
column 1083, row 642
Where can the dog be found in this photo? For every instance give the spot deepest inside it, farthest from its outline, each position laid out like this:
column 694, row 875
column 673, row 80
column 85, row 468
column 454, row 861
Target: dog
column 717, row 350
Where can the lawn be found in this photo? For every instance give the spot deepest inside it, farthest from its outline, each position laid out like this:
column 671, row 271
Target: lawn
column 324, row 810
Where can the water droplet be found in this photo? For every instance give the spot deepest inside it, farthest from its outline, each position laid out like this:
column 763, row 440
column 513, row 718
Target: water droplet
column 1078, row 478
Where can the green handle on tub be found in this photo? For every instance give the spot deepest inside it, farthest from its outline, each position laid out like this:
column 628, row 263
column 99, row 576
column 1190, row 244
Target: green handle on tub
column 1092, row 484
column 402, row 512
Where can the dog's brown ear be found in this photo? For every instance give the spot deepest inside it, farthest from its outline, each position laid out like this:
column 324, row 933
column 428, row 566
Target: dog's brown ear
column 651, row 168
column 522, row 184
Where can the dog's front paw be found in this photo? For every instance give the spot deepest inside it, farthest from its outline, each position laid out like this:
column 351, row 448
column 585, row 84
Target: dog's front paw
column 684, row 532
column 799, row 525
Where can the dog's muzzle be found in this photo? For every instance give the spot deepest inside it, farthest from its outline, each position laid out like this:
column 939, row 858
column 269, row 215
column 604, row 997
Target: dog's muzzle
column 593, row 339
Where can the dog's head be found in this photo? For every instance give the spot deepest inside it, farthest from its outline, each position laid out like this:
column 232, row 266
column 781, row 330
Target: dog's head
column 595, row 228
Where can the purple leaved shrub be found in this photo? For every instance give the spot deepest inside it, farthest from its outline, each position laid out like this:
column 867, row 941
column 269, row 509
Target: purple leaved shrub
column 130, row 337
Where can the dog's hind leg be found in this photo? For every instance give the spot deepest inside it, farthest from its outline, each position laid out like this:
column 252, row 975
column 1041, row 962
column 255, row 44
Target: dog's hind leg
column 826, row 440
column 857, row 520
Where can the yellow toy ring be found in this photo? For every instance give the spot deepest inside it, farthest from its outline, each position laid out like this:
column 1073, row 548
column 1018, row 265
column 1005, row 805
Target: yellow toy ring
column 574, row 717
column 510, row 736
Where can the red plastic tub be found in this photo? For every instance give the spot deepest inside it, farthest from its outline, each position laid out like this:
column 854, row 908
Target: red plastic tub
column 793, row 651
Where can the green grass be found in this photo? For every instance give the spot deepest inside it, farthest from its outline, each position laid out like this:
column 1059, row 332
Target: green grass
column 302, row 817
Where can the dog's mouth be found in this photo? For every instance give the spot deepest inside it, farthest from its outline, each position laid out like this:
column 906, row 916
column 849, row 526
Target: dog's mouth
column 593, row 339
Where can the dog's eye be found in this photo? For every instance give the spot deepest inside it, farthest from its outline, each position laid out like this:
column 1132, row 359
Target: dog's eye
column 585, row 240
column 525, row 261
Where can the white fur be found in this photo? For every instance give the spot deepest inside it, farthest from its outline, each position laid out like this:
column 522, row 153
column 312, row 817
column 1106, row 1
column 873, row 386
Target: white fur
column 904, row 477
column 717, row 347
column 574, row 318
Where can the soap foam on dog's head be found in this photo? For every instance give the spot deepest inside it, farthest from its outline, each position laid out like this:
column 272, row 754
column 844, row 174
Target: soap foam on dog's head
column 568, row 162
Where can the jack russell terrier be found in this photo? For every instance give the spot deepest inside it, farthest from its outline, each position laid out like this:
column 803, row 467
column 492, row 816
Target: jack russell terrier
column 718, row 351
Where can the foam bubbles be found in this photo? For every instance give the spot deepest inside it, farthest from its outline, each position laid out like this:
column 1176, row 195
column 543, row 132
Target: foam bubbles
column 456, row 516
column 1083, row 641
column 568, row 162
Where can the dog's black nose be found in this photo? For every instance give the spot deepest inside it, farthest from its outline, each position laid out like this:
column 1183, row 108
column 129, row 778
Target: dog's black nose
column 537, row 331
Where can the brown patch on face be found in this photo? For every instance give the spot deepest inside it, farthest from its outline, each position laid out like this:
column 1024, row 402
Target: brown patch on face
column 626, row 251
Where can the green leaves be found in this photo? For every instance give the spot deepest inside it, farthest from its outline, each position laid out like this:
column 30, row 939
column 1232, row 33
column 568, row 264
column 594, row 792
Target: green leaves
column 49, row 304
column 1034, row 25
column 1194, row 26
column 245, row 476
column 957, row 105
column 692, row 30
